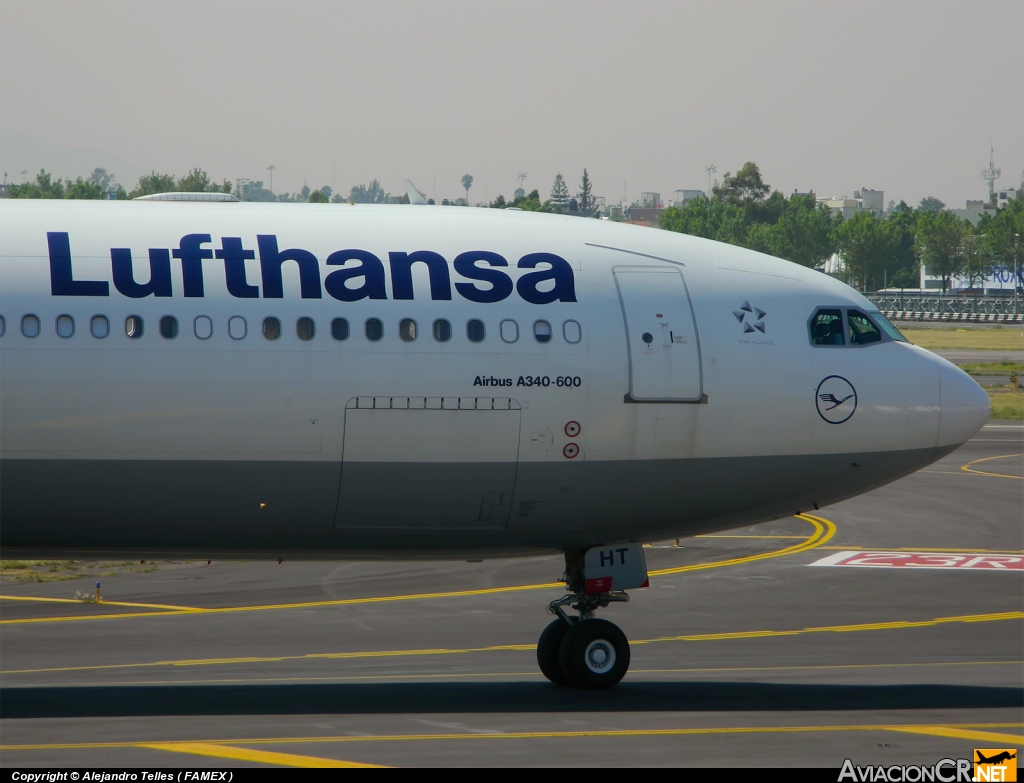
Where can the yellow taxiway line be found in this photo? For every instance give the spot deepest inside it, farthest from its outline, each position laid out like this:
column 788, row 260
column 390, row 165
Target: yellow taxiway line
column 535, row 674
column 40, row 599
column 246, row 754
column 968, row 469
column 760, row 634
column 966, row 731
column 823, row 531
column 957, row 733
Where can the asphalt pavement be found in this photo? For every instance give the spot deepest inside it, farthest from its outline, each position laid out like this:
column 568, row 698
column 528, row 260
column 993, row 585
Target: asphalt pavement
column 908, row 648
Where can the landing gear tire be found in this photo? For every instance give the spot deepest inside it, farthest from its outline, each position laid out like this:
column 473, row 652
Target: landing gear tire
column 594, row 654
column 548, row 650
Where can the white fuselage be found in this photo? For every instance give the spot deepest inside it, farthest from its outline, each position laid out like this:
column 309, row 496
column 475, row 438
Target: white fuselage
column 600, row 382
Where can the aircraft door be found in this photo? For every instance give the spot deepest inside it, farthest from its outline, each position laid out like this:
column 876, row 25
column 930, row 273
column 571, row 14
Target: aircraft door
column 428, row 463
column 661, row 332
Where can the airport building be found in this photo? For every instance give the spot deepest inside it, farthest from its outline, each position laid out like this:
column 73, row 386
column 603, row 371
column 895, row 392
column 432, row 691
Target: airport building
column 864, row 199
column 682, row 197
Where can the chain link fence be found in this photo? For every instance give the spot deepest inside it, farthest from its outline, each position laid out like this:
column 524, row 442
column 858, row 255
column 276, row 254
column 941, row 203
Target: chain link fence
column 931, row 307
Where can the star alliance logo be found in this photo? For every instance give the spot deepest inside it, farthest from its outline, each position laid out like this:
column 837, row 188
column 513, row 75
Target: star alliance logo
column 751, row 317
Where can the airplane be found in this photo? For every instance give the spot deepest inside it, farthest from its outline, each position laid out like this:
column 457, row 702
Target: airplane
column 209, row 379
column 996, row 759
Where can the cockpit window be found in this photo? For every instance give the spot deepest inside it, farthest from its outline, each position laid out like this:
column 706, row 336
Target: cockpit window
column 888, row 327
column 827, row 328
column 862, row 330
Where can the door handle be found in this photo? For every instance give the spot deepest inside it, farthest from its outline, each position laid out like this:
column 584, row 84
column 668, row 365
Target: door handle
column 666, row 335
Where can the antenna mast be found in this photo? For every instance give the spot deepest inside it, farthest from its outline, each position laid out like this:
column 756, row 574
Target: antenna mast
column 521, row 176
column 990, row 175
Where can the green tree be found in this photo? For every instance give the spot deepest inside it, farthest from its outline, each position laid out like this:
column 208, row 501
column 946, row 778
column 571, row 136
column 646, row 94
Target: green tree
column 44, row 186
column 368, row 194
column 532, row 203
column 498, row 203
column 902, row 221
column 467, row 183
column 104, row 181
column 931, row 204
column 196, row 181
column 940, row 243
column 559, row 193
column 977, row 259
column 803, row 234
column 747, row 185
column 154, row 183
column 711, row 219
column 318, row 197
column 905, row 278
column 586, row 194
column 84, row 189
column 254, row 191
column 1004, row 236
column 866, row 247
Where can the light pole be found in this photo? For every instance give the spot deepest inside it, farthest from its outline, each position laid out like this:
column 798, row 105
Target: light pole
column 709, row 170
column 1016, row 279
column 271, row 170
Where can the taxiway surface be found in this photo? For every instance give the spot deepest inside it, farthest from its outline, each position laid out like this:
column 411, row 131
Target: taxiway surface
column 743, row 654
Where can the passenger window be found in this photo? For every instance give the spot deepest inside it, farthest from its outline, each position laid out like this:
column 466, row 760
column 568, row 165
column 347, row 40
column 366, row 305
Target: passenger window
column 827, row 328
column 133, row 326
column 65, row 326
column 204, row 327
column 3, row 326
column 888, row 327
column 862, row 331
column 475, row 330
column 374, row 329
column 237, row 327
column 168, row 327
column 30, row 326
column 99, row 326
column 509, row 330
column 305, row 328
column 271, row 328
column 407, row 330
column 542, row 331
column 572, row 332
column 339, row 329
column 442, row 330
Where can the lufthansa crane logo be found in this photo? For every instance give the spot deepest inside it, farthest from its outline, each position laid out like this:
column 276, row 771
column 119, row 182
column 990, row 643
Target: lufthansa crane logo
column 752, row 318
column 836, row 399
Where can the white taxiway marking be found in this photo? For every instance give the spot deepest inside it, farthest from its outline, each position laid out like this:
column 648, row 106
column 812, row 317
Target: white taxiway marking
column 928, row 560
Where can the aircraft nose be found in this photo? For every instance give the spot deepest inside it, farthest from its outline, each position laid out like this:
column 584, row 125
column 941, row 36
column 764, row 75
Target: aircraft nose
column 965, row 406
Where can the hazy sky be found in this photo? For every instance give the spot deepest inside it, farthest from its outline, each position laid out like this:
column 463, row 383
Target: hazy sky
column 903, row 97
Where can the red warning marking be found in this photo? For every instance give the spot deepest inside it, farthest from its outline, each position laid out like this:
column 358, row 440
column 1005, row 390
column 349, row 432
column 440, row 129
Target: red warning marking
column 572, row 429
column 570, row 450
column 600, row 584
column 927, row 560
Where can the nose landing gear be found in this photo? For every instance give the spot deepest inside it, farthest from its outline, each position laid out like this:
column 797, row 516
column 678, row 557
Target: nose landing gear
column 583, row 652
